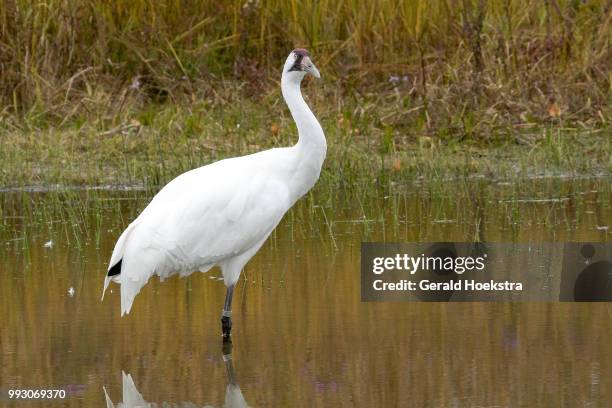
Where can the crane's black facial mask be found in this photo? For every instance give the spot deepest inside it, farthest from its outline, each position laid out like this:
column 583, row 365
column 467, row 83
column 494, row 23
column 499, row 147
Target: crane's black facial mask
column 299, row 54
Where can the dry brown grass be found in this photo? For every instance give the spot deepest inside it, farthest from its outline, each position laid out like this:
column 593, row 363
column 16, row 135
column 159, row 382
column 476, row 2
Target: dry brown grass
column 462, row 68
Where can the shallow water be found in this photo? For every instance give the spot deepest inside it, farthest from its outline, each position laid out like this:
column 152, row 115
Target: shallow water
column 301, row 335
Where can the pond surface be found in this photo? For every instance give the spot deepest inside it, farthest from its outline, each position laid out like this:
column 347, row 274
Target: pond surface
column 301, row 335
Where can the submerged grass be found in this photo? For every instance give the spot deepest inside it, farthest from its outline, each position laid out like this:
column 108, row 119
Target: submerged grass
column 549, row 209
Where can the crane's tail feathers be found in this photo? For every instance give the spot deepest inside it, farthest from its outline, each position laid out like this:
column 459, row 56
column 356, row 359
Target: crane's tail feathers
column 133, row 263
column 114, row 273
column 106, row 282
column 129, row 290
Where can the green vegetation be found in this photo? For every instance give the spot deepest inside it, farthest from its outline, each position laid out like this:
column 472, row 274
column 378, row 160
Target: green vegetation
column 97, row 92
column 153, row 145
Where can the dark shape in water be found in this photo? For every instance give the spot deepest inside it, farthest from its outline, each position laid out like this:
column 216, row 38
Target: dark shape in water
column 594, row 284
column 441, row 250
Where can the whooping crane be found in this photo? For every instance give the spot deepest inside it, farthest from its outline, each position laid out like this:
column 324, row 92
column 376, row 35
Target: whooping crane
column 222, row 213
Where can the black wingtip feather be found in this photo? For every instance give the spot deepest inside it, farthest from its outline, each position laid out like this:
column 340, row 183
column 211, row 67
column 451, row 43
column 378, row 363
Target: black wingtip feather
column 115, row 269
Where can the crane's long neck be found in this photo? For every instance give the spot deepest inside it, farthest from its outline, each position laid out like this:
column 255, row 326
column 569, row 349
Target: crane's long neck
column 311, row 147
column 312, row 139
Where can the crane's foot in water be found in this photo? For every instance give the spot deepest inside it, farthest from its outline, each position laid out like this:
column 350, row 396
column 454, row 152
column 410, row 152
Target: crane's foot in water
column 226, row 328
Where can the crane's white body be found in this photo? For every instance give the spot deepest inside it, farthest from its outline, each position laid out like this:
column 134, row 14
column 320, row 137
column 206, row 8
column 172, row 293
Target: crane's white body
column 222, row 213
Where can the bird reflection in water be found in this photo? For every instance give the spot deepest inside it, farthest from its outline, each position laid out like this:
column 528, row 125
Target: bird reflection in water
column 133, row 399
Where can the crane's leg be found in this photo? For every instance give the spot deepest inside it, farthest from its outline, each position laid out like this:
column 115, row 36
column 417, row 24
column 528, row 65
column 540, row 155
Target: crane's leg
column 229, row 367
column 226, row 316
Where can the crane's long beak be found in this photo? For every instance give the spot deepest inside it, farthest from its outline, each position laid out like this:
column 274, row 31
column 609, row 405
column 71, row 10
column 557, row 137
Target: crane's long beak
column 311, row 69
column 314, row 71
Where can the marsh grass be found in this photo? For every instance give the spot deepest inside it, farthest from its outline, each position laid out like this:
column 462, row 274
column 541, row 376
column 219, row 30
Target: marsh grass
column 414, row 94
column 150, row 146
column 432, row 72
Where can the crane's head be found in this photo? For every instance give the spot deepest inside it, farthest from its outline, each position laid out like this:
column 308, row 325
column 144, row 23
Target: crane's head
column 298, row 64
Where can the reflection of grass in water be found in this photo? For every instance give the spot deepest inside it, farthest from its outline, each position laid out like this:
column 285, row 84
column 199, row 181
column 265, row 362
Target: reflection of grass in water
column 329, row 228
column 315, row 321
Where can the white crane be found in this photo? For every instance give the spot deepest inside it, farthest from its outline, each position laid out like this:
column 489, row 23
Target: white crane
column 222, row 213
